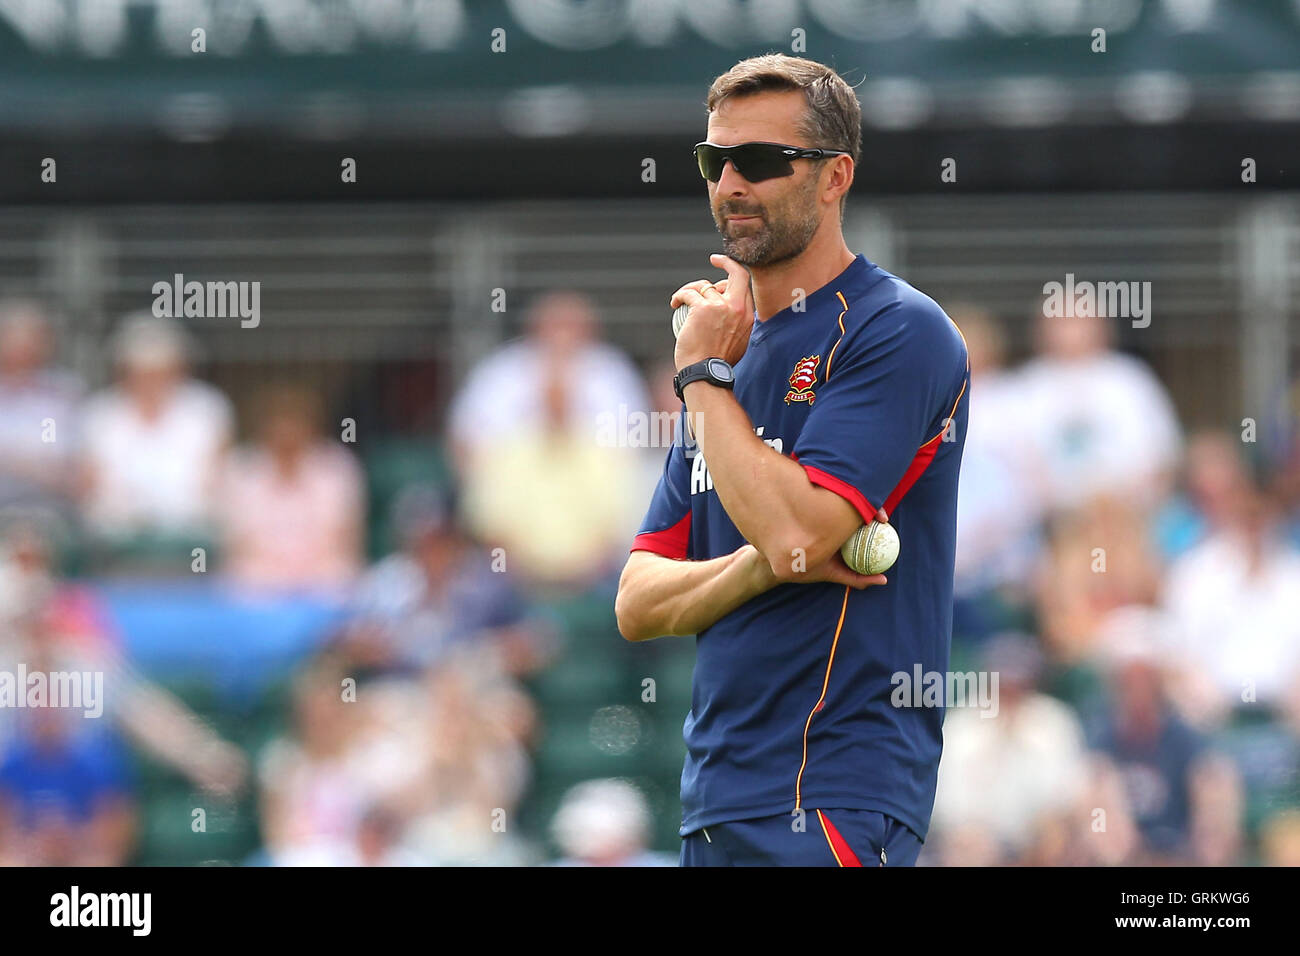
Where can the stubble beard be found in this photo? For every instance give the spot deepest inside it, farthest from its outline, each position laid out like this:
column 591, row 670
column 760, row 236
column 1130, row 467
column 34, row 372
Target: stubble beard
column 776, row 239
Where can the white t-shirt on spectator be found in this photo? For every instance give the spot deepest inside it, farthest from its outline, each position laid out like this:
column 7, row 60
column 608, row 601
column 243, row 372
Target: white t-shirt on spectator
column 1004, row 774
column 1103, row 424
column 154, row 475
column 502, row 397
column 1242, row 629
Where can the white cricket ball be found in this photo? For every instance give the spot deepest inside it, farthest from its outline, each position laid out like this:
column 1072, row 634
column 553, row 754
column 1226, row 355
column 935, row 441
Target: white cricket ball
column 872, row 549
column 679, row 319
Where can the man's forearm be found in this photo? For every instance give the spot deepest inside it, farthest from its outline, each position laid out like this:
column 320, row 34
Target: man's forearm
column 766, row 494
column 660, row 597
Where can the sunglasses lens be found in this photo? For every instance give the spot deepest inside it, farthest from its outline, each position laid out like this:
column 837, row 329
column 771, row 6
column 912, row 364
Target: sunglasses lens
column 755, row 161
column 710, row 160
column 759, row 162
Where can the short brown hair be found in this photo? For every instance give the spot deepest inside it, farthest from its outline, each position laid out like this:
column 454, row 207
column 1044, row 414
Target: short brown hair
column 833, row 119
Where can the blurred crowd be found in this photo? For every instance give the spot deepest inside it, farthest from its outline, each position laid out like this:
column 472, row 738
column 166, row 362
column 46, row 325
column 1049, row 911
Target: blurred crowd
column 1137, row 592
column 1136, row 589
column 408, row 729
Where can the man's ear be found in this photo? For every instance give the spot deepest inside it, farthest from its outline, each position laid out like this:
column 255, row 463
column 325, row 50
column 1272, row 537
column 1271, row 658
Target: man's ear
column 842, row 167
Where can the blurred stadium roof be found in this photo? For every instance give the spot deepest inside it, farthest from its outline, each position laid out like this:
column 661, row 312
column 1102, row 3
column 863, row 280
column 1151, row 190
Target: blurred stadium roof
column 599, row 74
column 428, row 67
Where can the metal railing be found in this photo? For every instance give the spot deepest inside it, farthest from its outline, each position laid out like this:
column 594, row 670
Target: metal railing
column 364, row 284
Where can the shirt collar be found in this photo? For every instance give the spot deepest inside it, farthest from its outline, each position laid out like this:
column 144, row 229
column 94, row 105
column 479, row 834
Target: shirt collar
column 819, row 299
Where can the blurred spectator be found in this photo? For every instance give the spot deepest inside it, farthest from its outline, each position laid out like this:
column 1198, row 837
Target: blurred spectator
column 37, row 416
column 438, row 593
column 999, row 505
column 292, row 506
column 502, row 396
column 1218, row 810
column 474, row 725
column 65, row 798
column 1099, row 558
column 312, row 790
column 605, row 823
column 1215, row 478
column 1280, row 840
column 1006, row 774
column 443, row 754
column 1233, row 601
column 1113, row 836
column 377, row 843
column 1156, row 753
column 152, row 442
column 1099, row 420
column 65, row 625
column 546, row 477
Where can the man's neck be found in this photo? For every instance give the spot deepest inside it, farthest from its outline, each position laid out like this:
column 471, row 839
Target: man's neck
column 775, row 286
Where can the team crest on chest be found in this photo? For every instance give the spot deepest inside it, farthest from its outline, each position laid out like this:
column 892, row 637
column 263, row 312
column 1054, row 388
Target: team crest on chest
column 802, row 379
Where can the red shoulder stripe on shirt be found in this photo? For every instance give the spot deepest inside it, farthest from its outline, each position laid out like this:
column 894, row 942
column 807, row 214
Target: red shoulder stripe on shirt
column 921, row 460
column 844, row 490
column 671, row 542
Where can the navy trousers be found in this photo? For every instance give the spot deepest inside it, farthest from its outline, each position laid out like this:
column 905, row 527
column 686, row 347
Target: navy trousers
column 813, row 838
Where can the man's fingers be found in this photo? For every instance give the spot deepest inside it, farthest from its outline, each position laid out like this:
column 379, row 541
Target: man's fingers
column 688, row 296
column 861, row 581
column 843, row 574
column 700, row 285
column 738, row 288
column 675, row 301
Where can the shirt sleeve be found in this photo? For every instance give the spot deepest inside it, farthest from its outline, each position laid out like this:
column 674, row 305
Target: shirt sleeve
column 890, row 386
column 666, row 529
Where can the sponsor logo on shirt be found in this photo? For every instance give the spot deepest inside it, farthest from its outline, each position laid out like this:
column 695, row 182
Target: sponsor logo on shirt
column 702, row 481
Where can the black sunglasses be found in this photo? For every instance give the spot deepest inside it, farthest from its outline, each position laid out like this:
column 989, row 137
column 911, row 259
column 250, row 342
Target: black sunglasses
column 755, row 161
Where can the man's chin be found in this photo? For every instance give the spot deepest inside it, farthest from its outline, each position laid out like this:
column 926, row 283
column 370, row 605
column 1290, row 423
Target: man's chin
column 745, row 251
column 752, row 256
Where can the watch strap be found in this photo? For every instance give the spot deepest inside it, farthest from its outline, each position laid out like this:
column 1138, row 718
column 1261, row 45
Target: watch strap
column 698, row 372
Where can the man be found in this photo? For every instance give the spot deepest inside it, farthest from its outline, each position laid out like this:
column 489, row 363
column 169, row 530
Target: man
column 848, row 404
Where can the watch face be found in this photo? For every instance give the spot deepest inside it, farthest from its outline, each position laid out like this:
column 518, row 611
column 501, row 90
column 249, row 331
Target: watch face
column 721, row 370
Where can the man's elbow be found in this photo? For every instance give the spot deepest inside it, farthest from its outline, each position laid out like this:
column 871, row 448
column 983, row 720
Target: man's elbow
column 792, row 554
column 635, row 629
column 631, row 622
column 628, row 625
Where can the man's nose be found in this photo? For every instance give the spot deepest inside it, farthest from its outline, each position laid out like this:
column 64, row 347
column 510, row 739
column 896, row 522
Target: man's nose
column 731, row 182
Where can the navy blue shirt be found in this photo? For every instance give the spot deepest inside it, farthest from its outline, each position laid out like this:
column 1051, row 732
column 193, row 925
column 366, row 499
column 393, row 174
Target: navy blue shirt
column 866, row 387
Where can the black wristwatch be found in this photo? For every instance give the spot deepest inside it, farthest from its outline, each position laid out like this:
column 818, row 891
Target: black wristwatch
column 715, row 371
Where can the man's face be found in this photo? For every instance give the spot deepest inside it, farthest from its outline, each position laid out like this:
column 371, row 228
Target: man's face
column 774, row 220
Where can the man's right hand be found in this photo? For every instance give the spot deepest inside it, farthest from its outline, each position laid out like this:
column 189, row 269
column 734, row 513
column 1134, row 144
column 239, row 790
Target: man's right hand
column 833, row 569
